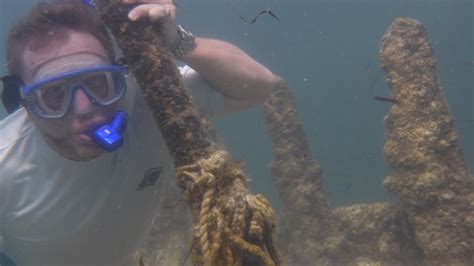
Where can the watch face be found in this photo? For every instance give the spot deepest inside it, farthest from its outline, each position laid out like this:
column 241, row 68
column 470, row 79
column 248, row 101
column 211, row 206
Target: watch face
column 185, row 44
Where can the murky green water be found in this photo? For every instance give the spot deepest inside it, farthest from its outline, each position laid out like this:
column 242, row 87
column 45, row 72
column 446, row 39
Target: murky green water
column 328, row 53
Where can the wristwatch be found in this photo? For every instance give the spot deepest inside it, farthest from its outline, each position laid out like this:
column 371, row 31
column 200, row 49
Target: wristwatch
column 185, row 43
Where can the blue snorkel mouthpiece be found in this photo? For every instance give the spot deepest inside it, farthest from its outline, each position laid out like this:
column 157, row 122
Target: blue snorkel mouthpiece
column 109, row 136
column 90, row 3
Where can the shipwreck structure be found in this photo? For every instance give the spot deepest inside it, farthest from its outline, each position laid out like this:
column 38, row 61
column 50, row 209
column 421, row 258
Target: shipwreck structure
column 432, row 221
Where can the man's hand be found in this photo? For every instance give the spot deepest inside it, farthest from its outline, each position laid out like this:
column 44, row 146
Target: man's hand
column 158, row 11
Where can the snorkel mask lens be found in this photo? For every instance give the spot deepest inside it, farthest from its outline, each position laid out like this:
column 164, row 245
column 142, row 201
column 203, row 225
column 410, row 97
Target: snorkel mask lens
column 52, row 97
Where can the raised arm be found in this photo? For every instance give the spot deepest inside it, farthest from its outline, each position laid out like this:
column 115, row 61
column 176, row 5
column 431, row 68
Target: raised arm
column 242, row 80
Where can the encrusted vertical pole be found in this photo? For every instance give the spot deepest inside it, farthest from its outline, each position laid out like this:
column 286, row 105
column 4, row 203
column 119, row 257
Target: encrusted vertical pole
column 429, row 176
column 231, row 226
column 309, row 221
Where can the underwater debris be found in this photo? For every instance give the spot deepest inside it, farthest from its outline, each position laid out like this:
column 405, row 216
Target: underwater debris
column 214, row 186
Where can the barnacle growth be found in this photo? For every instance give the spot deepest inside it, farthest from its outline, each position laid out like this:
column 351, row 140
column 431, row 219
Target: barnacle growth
column 432, row 223
column 311, row 232
column 231, row 226
column 429, row 176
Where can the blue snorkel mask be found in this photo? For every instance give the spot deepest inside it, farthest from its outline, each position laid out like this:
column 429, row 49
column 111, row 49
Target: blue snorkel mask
column 53, row 97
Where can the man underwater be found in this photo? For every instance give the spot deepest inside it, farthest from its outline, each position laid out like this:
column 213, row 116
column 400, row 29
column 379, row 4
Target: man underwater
column 63, row 199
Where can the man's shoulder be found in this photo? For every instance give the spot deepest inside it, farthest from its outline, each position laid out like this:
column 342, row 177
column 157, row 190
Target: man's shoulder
column 14, row 128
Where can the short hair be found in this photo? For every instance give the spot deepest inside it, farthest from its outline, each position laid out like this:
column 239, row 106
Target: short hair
column 47, row 17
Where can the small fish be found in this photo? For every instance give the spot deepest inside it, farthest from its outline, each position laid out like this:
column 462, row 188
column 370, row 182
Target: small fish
column 259, row 14
column 386, row 99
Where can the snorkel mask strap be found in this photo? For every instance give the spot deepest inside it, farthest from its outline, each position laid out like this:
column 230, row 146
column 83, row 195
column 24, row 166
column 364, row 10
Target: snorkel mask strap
column 11, row 93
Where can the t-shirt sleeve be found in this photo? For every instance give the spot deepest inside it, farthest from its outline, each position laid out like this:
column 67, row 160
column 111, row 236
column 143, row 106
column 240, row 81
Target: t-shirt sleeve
column 209, row 101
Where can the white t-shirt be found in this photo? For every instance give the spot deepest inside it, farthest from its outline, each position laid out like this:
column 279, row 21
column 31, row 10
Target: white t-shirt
column 54, row 211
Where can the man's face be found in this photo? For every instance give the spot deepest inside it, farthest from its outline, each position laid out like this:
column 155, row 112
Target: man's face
column 68, row 135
